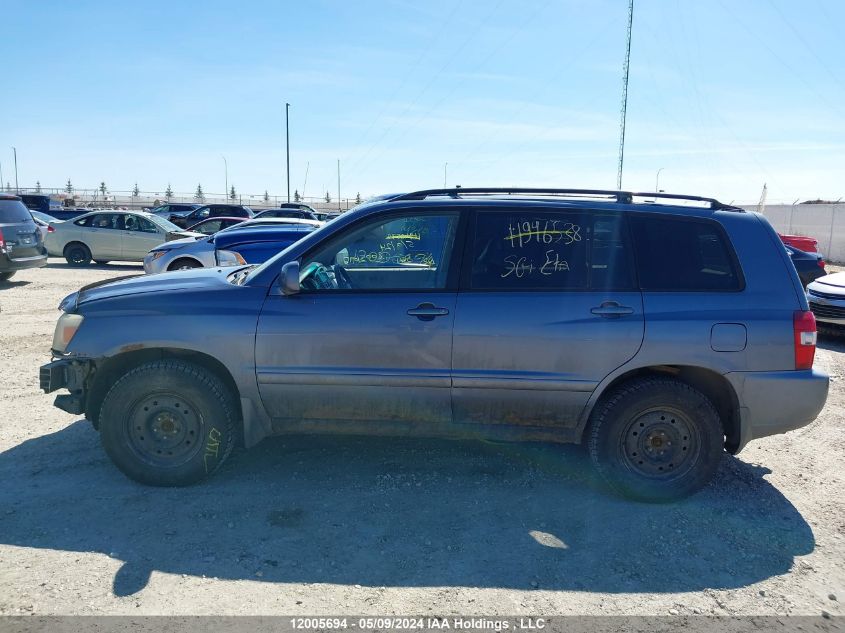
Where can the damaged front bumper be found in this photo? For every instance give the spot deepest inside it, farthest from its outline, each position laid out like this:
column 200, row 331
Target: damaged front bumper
column 66, row 373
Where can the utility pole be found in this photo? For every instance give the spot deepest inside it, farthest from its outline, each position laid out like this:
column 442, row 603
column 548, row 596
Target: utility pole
column 287, row 146
column 1, row 177
column 305, row 184
column 625, row 72
column 338, row 185
column 445, row 168
column 226, row 171
column 17, row 189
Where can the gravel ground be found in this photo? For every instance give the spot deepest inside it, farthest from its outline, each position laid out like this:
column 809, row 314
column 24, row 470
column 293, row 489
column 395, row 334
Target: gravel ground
column 323, row 525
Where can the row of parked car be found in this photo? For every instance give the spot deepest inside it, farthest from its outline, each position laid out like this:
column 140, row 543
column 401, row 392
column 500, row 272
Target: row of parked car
column 178, row 236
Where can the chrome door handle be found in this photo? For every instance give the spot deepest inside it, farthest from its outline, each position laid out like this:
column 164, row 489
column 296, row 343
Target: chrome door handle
column 611, row 310
column 427, row 312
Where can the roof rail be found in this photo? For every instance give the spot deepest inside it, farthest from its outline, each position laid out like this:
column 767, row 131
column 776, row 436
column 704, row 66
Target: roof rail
column 622, row 197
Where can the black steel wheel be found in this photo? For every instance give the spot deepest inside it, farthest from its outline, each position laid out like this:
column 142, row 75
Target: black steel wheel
column 77, row 254
column 656, row 439
column 168, row 423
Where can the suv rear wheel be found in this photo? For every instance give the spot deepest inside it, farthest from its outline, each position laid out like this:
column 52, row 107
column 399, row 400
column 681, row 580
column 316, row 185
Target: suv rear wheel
column 656, row 439
column 168, row 423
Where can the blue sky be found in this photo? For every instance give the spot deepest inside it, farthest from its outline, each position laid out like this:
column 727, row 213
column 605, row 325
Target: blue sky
column 724, row 95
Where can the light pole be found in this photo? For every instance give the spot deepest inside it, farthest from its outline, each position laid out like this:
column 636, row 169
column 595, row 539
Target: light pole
column 1, row 176
column 226, row 172
column 445, row 168
column 17, row 189
column 287, row 146
column 657, row 181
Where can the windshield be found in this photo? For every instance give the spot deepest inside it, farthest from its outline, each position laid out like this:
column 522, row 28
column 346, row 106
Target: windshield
column 167, row 225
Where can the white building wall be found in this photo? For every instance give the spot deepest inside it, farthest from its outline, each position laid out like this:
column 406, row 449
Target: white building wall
column 825, row 222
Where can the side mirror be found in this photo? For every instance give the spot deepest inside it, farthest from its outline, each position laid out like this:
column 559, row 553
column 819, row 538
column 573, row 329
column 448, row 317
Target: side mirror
column 289, row 278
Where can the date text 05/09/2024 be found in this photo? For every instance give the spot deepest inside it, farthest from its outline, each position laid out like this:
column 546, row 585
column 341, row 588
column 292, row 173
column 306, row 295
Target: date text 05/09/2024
column 455, row 623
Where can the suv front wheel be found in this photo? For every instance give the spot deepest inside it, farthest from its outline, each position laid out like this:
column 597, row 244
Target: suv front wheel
column 656, row 439
column 168, row 423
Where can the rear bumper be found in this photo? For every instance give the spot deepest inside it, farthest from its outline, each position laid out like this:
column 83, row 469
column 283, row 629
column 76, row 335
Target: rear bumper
column 777, row 401
column 8, row 264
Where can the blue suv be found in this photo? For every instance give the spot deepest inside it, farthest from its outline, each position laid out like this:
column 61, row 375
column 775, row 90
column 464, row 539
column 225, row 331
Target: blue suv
column 659, row 330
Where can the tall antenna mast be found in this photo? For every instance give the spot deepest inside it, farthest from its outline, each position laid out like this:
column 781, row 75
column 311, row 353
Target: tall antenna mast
column 625, row 70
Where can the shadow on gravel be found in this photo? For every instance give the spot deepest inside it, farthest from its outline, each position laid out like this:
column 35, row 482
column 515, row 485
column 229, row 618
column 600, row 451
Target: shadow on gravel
column 13, row 283
column 831, row 339
column 398, row 512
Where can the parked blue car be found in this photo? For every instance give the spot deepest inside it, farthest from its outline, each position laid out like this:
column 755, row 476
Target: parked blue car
column 240, row 244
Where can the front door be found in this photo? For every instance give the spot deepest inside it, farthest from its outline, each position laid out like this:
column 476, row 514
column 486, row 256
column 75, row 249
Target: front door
column 548, row 307
column 368, row 340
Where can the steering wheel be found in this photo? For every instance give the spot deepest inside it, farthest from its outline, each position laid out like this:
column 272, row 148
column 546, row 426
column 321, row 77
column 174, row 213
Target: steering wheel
column 315, row 276
column 341, row 278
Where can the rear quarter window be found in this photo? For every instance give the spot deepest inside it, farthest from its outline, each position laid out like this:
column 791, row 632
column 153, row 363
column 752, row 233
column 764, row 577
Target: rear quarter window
column 13, row 212
column 682, row 254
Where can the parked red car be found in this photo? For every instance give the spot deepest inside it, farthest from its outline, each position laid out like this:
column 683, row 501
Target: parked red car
column 801, row 242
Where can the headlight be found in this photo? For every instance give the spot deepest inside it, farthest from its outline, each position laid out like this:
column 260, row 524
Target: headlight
column 65, row 329
column 157, row 254
column 229, row 258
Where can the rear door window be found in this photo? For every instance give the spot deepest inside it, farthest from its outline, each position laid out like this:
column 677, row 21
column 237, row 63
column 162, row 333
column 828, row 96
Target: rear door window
column 530, row 250
column 682, row 254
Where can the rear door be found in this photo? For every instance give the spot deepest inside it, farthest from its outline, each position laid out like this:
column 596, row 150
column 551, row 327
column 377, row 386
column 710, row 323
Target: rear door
column 548, row 307
column 102, row 235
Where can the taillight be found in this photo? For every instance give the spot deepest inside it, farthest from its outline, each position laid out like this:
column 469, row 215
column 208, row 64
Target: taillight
column 2, row 241
column 821, row 264
column 50, row 228
column 804, row 330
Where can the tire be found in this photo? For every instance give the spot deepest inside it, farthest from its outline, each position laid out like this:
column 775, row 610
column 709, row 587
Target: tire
column 168, row 423
column 101, row 261
column 7, row 276
column 184, row 264
column 77, row 254
column 656, row 439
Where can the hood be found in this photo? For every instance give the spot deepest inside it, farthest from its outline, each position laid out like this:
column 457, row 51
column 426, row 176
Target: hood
column 837, row 280
column 176, row 281
column 182, row 238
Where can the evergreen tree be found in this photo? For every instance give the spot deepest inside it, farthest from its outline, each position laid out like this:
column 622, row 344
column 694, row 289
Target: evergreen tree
column 199, row 195
column 69, row 187
column 168, row 192
column 37, row 186
column 328, row 197
column 358, row 198
column 136, row 192
column 8, row 187
column 232, row 194
column 103, row 188
column 266, row 196
column 296, row 197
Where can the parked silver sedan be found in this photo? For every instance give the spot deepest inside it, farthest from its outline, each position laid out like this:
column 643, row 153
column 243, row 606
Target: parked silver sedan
column 109, row 236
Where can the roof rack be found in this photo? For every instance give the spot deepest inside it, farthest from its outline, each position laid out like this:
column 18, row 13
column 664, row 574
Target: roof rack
column 621, row 197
